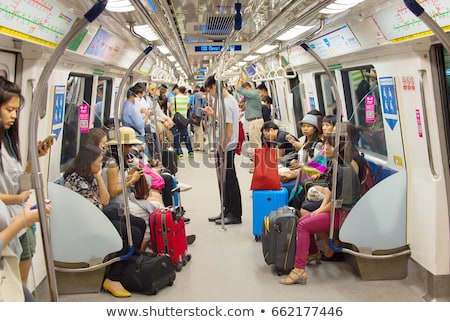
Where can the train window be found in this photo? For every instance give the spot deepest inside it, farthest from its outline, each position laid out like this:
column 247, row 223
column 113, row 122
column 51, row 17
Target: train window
column 272, row 88
column 363, row 103
column 297, row 91
column 102, row 101
column 325, row 94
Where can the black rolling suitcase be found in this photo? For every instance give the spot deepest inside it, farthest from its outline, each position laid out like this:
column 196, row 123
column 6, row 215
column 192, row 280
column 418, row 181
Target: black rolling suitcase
column 148, row 273
column 169, row 159
column 279, row 238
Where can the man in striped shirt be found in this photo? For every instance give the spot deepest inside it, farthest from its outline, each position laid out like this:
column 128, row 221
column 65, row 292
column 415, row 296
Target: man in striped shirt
column 179, row 103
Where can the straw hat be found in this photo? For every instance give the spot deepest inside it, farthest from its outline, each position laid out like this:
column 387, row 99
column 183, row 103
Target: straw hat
column 127, row 136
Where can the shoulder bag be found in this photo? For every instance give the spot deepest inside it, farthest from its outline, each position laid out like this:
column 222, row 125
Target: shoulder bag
column 180, row 121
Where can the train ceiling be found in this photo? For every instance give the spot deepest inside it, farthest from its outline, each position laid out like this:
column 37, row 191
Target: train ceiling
column 181, row 25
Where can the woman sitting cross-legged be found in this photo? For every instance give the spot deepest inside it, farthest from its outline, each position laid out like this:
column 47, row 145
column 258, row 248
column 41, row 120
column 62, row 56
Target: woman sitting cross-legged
column 84, row 177
column 318, row 221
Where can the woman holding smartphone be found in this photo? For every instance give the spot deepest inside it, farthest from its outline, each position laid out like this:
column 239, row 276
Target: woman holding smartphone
column 11, row 165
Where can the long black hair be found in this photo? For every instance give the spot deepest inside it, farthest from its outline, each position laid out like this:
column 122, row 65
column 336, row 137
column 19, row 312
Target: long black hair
column 83, row 161
column 9, row 139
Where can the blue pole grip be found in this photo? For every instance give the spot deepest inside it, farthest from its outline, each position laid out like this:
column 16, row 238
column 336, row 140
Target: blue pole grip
column 96, row 10
column 128, row 255
column 414, row 7
column 148, row 49
column 333, row 247
column 304, row 45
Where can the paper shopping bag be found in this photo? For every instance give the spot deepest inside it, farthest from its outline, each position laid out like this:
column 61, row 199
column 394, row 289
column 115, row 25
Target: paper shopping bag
column 265, row 175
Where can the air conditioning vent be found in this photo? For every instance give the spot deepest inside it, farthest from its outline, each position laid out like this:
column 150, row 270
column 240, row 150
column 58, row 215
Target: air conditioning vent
column 218, row 27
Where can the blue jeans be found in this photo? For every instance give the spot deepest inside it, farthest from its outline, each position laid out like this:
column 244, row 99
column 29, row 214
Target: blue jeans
column 178, row 136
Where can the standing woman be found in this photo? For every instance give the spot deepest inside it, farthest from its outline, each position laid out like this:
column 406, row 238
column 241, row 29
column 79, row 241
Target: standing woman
column 11, row 101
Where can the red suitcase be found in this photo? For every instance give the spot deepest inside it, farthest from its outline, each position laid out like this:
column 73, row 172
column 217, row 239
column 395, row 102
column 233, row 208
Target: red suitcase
column 168, row 235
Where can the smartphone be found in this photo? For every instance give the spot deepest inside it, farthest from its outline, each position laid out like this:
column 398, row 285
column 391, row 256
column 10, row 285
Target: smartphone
column 48, row 138
column 47, row 202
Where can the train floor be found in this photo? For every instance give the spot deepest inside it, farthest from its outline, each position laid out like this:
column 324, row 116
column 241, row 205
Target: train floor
column 228, row 266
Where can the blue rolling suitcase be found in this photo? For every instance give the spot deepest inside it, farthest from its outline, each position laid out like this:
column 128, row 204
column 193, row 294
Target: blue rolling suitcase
column 264, row 201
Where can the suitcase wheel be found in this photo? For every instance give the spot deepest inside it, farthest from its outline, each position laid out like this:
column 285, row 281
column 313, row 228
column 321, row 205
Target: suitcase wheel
column 188, row 257
column 179, row 266
column 257, row 238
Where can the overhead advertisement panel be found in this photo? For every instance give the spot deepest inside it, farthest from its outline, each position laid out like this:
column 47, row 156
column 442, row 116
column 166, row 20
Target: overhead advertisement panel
column 211, row 48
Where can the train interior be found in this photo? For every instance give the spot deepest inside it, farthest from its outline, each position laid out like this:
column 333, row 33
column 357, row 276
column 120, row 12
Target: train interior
column 373, row 63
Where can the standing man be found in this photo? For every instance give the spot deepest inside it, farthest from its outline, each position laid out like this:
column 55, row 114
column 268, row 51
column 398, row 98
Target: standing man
column 179, row 103
column 132, row 118
column 232, row 202
column 253, row 113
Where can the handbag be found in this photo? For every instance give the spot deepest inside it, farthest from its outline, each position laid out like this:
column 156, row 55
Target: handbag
column 180, row 121
column 265, row 175
column 11, row 289
column 141, row 190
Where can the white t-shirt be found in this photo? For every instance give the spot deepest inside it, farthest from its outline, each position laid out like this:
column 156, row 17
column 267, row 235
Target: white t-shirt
column 232, row 116
column 9, row 182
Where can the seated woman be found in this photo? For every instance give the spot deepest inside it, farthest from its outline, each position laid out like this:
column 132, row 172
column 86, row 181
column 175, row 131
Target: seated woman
column 84, row 177
column 309, row 146
column 139, row 208
column 318, row 221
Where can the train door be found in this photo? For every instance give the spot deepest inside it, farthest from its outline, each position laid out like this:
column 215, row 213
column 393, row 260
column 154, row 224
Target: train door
column 8, row 65
column 79, row 91
column 284, row 109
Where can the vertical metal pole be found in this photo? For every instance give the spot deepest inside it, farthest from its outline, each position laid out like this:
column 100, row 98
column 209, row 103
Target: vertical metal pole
column 38, row 106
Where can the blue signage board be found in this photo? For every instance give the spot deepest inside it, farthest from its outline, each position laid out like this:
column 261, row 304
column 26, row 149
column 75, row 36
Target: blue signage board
column 388, row 100
column 58, row 109
column 217, row 48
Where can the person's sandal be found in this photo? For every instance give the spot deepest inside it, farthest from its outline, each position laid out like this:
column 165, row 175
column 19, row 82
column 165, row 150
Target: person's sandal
column 294, row 278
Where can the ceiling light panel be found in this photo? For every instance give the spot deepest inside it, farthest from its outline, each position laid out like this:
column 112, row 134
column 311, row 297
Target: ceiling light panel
column 119, row 6
column 294, row 32
column 266, row 48
column 146, row 32
column 251, row 57
column 163, row 50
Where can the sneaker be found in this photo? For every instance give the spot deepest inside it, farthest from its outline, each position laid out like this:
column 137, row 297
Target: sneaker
column 184, row 186
column 180, row 156
column 191, row 155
